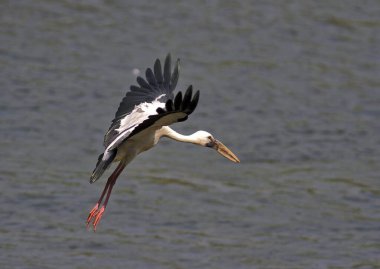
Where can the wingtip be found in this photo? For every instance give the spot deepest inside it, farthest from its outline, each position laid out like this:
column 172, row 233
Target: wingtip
column 194, row 102
column 92, row 180
column 95, row 175
column 168, row 57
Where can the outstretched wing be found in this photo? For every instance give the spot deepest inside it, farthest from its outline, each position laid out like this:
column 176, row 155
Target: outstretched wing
column 155, row 114
column 150, row 105
column 157, row 87
column 174, row 111
column 146, row 117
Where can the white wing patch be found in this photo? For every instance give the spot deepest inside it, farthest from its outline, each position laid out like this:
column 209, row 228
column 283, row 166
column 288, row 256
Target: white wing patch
column 140, row 113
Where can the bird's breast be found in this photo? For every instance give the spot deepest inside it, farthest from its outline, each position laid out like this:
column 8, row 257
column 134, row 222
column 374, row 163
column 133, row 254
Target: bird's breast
column 133, row 146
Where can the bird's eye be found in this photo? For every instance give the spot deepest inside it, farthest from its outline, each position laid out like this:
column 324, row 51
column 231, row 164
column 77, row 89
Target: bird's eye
column 210, row 137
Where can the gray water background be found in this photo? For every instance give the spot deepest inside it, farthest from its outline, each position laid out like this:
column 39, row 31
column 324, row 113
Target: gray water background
column 292, row 87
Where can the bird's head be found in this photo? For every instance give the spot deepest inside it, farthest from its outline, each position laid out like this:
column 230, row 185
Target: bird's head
column 207, row 140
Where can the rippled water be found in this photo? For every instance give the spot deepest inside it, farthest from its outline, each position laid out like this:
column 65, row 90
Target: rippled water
column 291, row 87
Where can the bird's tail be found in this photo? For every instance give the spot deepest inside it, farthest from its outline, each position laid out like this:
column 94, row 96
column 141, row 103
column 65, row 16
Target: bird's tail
column 104, row 160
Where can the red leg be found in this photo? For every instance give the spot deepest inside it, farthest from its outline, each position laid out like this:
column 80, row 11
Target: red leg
column 96, row 213
column 94, row 210
column 103, row 208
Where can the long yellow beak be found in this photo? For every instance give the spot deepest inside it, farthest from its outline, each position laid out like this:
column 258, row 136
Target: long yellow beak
column 224, row 151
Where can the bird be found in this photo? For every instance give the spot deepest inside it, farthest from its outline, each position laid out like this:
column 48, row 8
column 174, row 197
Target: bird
column 142, row 118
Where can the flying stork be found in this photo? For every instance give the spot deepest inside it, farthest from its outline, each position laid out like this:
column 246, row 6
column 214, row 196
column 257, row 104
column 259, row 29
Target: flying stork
column 141, row 120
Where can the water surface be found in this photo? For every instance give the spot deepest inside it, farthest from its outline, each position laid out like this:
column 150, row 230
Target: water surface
column 291, row 87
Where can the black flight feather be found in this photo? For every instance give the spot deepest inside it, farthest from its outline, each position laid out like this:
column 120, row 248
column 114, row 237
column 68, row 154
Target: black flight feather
column 160, row 110
column 175, row 75
column 158, row 72
column 178, row 101
column 169, row 105
column 154, row 85
column 150, row 77
column 103, row 163
column 194, row 102
column 142, row 83
column 187, row 97
column 167, row 71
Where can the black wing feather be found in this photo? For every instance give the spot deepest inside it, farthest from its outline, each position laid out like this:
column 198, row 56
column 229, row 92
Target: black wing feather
column 147, row 90
column 169, row 105
column 170, row 109
column 174, row 78
column 151, row 78
column 187, row 97
column 143, row 84
column 178, row 101
column 160, row 110
column 134, row 88
column 158, row 72
column 154, row 84
column 167, row 71
column 194, row 102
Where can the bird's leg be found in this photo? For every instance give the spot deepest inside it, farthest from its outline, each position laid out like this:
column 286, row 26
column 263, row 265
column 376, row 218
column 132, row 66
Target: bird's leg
column 96, row 207
column 100, row 212
column 96, row 213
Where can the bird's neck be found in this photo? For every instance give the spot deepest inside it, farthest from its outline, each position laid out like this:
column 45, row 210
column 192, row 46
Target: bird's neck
column 169, row 132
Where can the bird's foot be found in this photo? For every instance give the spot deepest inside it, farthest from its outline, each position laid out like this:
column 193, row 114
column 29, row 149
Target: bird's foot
column 98, row 216
column 92, row 214
column 95, row 216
